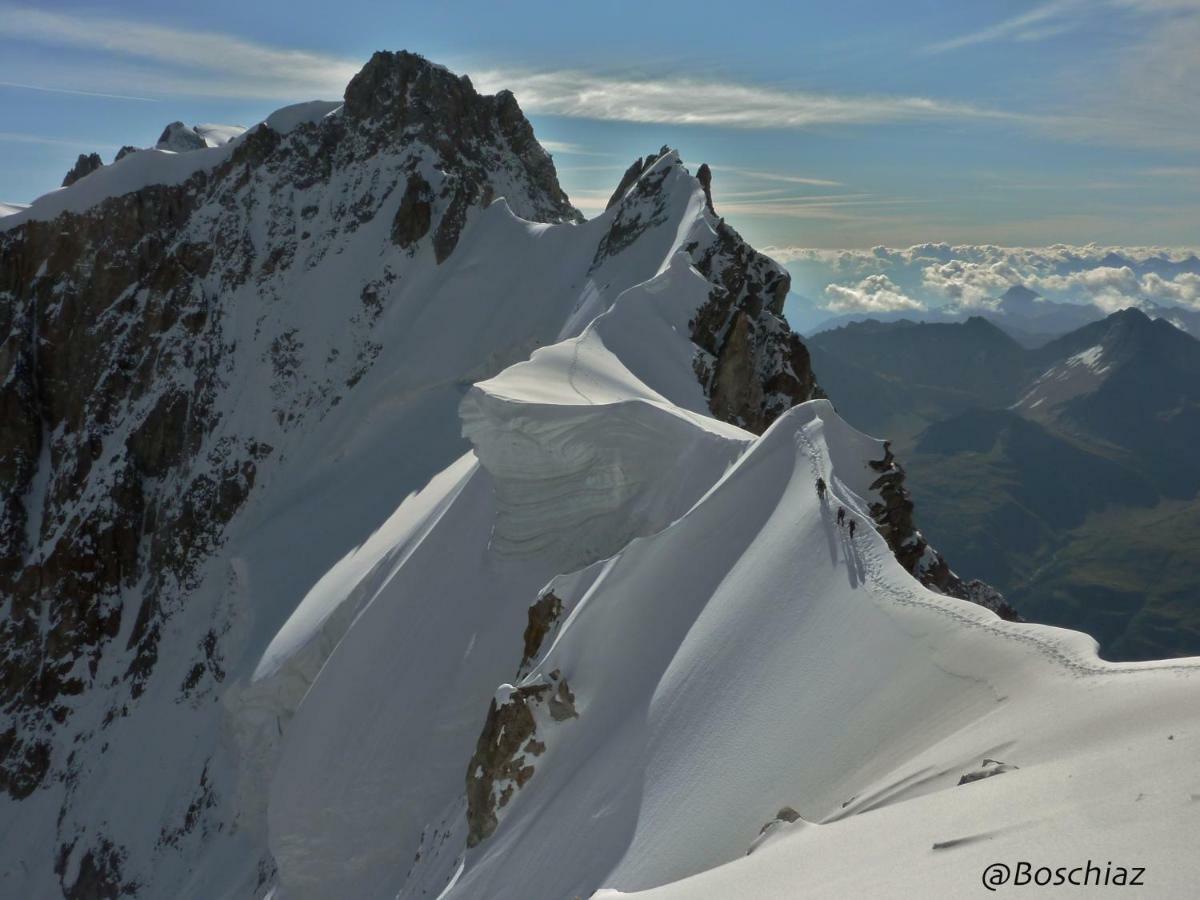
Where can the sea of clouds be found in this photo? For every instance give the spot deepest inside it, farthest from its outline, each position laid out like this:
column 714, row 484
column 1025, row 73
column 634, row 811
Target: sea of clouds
column 973, row 276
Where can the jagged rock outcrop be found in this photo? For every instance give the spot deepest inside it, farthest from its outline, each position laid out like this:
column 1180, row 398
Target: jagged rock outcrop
column 544, row 615
column 402, row 95
column 632, row 174
column 893, row 516
column 124, row 152
column 704, row 176
column 85, row 165
column 753, row 366
column 502, row 762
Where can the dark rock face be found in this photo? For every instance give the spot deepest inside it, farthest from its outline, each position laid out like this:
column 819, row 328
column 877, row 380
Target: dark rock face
column 501, row 764
column 543, row 616
column 85, row 165
column 72, row 386
column 754, row 367
column 401, row 96
column 632, row 174
column 124, row 152
column 704, row 176
column 98, row 876
column 414, row 214
column 785, row 816
column 893, row 515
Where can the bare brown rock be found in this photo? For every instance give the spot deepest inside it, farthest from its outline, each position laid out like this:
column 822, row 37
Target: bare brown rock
column 85, row 165
column 543, row 616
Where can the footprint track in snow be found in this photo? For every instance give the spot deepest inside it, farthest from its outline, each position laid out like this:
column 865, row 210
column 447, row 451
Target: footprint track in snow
column 873, row 562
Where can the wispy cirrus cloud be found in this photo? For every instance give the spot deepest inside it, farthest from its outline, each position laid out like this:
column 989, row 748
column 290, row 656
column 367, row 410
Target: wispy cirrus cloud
column 1039, row 23
column 55, row 90
column 197, row 63
column 675, row 100
column 1056, row 17
column 1139, row 90
column 1185, row 173
column 566, row 148
column 16, row 137
column 777, row 177
column 185, row 62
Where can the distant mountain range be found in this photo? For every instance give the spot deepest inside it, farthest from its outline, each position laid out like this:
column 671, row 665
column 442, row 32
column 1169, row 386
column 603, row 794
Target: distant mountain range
column 1030, row 319
column 1065, row 475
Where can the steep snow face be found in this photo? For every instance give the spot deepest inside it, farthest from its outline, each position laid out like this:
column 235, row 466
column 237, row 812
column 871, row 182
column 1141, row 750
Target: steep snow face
column 742, row 655
column 596, row 458
column 752, row 657
column 230, row 389
column 8, row 209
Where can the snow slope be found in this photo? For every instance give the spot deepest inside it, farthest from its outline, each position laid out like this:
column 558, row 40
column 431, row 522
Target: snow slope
column 739, row 656
column 172, row 161
column 750, row 658
column 607, row 435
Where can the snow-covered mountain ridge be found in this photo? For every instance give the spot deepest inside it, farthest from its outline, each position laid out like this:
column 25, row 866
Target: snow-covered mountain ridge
column 374, row 526
column 216, row 357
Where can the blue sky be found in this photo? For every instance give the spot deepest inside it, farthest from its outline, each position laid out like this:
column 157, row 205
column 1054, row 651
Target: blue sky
column 828, row 125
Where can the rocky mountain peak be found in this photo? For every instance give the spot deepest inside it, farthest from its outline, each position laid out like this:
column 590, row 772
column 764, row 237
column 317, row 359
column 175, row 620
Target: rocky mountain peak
column 1123, row 334
column 1130, row 317
column 1018, row 298
column 752, row 366
column 180, row 139
column 399, row 97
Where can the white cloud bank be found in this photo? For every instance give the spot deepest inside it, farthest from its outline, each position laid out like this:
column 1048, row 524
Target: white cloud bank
column 186, row 61
column 874, row 294
column 974, row 275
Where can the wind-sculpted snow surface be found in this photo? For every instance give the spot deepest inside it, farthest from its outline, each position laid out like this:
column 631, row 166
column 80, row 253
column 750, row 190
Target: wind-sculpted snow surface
column 745, row 657
column 585, row 452
column 741, row 655
column 751, row 656
column 577, row 455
